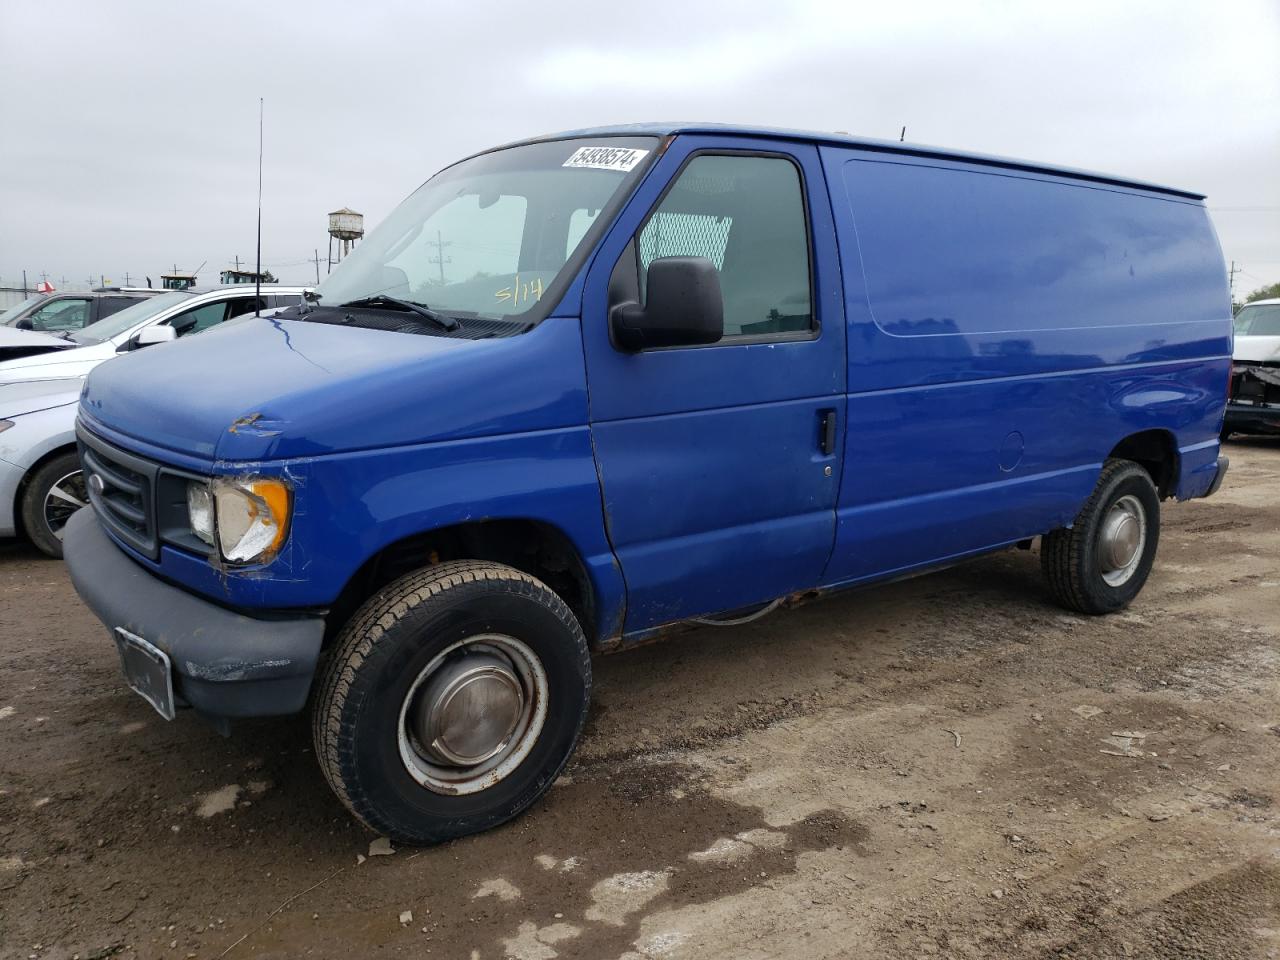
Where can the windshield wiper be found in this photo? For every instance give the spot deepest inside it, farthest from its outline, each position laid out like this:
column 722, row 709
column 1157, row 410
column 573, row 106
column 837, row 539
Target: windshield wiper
column 421, row 309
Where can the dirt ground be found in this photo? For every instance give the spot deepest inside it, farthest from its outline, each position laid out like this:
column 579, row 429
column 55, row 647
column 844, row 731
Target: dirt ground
column 944, row 767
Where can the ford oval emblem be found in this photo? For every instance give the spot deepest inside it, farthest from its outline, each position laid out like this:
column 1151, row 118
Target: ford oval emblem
column 96, row 484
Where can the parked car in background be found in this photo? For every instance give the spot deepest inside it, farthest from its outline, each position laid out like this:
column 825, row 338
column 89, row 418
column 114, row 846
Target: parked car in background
column 41, row 483
column 74, row 311
column 16, row 344
column 1254, row 404
column 662, row 378
column 18, row 309
column 166, row 316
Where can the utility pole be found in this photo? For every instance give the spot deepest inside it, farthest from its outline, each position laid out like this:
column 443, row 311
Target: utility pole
column 89, row 283
column 237, row 264
column 126, row 278
column 24, row 284
column 317, row 262
column 43, row 276
column 440, row 258
column 1231, row 280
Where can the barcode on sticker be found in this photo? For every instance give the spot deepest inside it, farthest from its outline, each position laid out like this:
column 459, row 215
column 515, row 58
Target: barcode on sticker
column 606, row 158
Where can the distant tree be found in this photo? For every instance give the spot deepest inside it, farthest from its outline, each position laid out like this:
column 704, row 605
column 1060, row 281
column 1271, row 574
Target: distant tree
column 268, row 277
column 1264, row 293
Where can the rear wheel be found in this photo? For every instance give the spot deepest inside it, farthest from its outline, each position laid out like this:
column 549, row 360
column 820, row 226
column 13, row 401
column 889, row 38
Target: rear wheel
column 452, row 701
column 52, row 494
column 1102, row 562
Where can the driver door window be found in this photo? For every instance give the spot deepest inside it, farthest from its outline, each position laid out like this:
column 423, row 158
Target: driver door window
column 746, row 215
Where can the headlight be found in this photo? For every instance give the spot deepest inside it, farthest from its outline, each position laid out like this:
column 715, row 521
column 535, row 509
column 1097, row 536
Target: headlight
column 200, row 511
column 247, row 519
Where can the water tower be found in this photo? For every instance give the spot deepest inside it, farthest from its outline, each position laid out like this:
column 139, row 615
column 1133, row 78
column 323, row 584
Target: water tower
column 346, row 226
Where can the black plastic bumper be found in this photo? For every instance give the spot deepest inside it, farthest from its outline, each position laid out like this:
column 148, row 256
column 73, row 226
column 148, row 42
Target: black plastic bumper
column 1248, row 418
column 225, row 663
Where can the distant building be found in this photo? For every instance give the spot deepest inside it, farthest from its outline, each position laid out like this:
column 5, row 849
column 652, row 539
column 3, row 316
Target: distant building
column 235, row 276
column 177, row 281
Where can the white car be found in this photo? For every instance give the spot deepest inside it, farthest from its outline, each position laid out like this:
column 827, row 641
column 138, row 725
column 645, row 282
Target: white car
column 1254, row 402
column 177, row 313
column 40, row 480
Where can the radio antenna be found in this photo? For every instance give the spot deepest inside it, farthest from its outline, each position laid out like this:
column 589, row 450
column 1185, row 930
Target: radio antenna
column 903, row 135
column 257, row 275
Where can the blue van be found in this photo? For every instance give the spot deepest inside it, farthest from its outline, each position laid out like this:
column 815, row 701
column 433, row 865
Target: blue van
column 581, row 388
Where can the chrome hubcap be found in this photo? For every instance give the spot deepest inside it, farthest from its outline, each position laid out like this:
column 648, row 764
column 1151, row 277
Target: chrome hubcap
column 63, row 499
column 1122, row 539
column 473, row 714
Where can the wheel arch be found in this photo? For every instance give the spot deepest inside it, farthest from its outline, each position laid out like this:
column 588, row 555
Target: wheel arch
column 533, row 546
column 1156, row 451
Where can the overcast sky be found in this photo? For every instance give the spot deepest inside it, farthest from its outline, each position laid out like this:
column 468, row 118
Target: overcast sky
column 129, row 137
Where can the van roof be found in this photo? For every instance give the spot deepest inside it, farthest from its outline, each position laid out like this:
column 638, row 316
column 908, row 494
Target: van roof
column 862, row 143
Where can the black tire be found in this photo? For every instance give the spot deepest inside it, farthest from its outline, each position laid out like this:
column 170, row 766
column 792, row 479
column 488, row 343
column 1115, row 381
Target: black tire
column 395, row 636
column 44, row 527
column 1072, row 558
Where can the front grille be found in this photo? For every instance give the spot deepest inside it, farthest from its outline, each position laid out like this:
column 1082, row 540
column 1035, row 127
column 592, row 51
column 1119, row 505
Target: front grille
column 121, row 488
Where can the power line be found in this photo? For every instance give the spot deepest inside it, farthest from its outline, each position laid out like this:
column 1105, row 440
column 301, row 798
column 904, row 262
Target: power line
column 440, row 243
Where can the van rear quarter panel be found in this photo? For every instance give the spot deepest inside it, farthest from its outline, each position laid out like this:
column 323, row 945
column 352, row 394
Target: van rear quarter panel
column 1005, row 331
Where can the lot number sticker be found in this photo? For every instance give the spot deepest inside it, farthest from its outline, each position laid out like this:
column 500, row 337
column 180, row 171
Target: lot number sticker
column 623, row 159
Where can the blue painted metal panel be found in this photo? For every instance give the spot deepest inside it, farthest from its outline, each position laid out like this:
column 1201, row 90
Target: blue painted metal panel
column 350, row 506
column 1006, row 331
column 314, row 388
column 416, row 426
column 716, row 494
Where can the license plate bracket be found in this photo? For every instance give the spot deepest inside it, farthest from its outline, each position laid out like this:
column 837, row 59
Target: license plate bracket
column 147, row 670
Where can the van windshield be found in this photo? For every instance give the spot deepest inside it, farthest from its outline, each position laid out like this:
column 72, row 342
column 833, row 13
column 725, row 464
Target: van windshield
column 490, row 236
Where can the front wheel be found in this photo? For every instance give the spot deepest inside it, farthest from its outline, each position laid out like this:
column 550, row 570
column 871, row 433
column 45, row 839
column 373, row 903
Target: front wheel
column 1101, row 563
column 52, row 494
column 452, row 701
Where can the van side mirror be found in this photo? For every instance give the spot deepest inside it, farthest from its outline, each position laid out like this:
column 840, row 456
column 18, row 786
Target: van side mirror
column 156, row 333
column 683, row 307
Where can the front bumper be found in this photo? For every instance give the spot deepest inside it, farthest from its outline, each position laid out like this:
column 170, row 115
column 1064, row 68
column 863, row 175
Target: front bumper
column 225, row 664
column 1252, row 418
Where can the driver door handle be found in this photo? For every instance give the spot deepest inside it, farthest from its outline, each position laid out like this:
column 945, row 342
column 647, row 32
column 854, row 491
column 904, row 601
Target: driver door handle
column 827, row 432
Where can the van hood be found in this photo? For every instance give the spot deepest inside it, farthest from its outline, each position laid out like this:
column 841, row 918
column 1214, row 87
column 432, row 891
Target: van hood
column 1256, row 350
column 15, row 343
column 275, row 388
